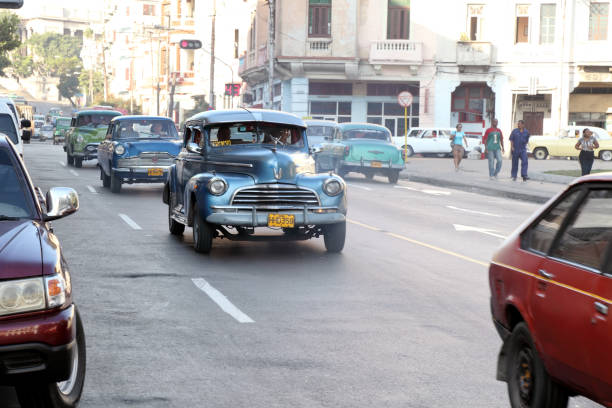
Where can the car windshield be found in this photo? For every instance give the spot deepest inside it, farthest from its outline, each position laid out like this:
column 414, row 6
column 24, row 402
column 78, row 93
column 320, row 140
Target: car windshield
column 47, row 127
column 256, row 134
column 13, row 200
column 38, row 124
column 319, row 134
column 146, row 129
column 62, row 122
column 365, row 134
column 7, row 126
column 94, row 120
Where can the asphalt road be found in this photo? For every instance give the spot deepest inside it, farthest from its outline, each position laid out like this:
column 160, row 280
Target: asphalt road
column 399, row 319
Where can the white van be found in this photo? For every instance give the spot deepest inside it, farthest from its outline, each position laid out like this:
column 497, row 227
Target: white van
column 9, row 125
column 433, row 140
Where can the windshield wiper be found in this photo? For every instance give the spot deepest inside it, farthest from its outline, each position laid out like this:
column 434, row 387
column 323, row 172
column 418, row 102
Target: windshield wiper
column 8, row 218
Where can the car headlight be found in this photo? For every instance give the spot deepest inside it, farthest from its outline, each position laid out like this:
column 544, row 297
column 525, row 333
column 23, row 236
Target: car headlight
column 80, row 139
column 19, row 296
column 332, row 187
column 217, row 186
column 119, row 149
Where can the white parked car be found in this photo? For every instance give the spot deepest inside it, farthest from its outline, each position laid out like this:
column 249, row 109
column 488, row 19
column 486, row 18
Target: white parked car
column 46, row 132
column 10, row 127
column 433, row 141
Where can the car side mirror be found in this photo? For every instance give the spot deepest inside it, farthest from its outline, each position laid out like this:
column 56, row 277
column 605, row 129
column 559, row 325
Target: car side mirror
column 194, row 148
column 315, row 149
column 61, row 202
column 25, row 123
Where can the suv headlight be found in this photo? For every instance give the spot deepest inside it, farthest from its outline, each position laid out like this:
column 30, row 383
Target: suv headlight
column 27, row 295
column 80, row 139
column 217, row 186
column 119, row 149
column 332, row 187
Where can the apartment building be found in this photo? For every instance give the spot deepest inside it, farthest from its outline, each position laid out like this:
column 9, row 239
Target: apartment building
column 546, row 62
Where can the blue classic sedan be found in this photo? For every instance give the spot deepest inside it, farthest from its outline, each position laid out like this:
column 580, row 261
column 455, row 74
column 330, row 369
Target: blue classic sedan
column 243, row 169
column 137, row 149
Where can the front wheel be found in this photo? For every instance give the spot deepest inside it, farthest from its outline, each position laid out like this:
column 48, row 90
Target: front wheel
column 69, row 159
column 115, row 183
column 334, row 237
column 529, row 385
column 540, row 153
column 176, row 228
column 64, row 394
column 203, row 234
column 78, row 162
column 393, row 177
column 605, row 155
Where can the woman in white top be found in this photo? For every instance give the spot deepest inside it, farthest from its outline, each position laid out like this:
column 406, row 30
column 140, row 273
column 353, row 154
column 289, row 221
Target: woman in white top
column 586, row 144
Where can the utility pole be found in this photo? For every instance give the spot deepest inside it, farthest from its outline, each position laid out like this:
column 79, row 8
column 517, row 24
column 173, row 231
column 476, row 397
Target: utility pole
column 271, row 42
column 212, row 56
column 171, row 84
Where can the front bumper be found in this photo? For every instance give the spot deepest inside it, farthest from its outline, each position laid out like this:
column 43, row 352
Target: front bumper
column 37, row 347
column 89, row 152
column 371, row 164
column 245, row 216
column 140, row 174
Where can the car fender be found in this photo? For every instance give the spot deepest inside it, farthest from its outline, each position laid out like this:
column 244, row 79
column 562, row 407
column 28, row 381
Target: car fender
column 170, row 184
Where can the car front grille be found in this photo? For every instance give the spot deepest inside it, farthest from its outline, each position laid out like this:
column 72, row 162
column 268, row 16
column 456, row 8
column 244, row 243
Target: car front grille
column 275, row 195
column 147, row 159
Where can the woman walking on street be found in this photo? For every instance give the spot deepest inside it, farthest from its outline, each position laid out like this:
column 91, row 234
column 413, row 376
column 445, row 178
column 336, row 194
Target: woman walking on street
column 458, row 144
column 586, row 144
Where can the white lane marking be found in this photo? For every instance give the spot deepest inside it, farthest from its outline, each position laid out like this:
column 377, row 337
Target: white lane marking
column 452, row 207
column 74, row 173
column 407, row 188
column 426, row 191
column 358, row 186
column 221, row 301
column 91, row 189
column 364, row 225
column 485, row 231
column 62, row 163
column 129, row 222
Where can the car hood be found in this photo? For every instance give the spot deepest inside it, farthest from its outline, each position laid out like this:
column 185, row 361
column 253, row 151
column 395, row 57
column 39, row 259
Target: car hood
column 264, row 164
column 92, row 134
column 20, row 249
column 134, row 148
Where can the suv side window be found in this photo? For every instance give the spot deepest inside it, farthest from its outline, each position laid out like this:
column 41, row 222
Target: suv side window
column 586, row 237
column 539, row 237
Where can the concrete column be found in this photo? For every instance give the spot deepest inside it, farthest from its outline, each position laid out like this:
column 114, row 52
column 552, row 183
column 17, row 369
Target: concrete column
column 359, row 108
column 503, row 106
column 442, row 101
column 298, row 104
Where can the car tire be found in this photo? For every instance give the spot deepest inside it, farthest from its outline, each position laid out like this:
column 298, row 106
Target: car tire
column 203, row 234
column 540, row 153
column 605, row 155
column 407, row 152
column 339, row 170
column 176, row 228
column 369, row 175
column 529, row 385
column 78, row 162
column 65, row 394
column 334, row 236
column 393, row 177
column 69, row 159
column 106, row 180
column 115, row 183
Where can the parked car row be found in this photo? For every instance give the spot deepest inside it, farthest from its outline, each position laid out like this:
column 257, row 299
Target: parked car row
column 563, row 145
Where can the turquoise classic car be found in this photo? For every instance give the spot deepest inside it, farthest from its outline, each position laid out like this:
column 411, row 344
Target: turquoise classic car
column 87, row 130
column 361, row 148
column 240, row 170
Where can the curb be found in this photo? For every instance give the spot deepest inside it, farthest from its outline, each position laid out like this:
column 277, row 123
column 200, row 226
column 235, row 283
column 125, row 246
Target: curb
column 534, row 198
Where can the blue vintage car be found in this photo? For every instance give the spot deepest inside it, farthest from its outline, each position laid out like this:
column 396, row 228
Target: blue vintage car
column 242, row 169
column 137, row 149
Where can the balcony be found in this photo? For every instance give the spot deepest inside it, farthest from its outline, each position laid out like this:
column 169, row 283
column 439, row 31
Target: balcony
column 396, row 52
column 252, row 59
column 474, row 53
column 318, row 47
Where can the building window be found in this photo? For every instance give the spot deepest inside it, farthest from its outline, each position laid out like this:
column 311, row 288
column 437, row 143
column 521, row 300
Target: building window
column 190, row 8
column 390, row 89
column 330, row 88
column 148, row 9
column 278, row 89
column 469, row 102
column 66, row 31
column 398, row 20
column 319, row 18
column 336, row 111
column 547, row 23
column 522, row 23
column 475, row 19
column 598, row 21
column 391, row 115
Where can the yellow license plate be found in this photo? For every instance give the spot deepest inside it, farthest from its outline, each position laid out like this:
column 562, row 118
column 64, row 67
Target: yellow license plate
column 376, row 164
column 155, row 172
column 281, row 220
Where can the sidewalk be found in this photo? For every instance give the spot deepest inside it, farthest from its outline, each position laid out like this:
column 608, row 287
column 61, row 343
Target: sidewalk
column 474, row 176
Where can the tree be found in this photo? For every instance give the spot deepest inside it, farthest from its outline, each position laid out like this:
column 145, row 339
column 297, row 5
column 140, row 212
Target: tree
column 68, row 86
column 22, row 65
column 9, row 37
column 94, row 78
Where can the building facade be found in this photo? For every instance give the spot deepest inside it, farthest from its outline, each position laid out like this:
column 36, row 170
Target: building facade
column 544, row 61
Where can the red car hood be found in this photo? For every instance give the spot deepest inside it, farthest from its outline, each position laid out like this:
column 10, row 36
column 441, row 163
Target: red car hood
column 20, row 251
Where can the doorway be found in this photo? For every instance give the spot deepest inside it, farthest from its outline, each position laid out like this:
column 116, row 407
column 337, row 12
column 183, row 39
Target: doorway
column 534, row 122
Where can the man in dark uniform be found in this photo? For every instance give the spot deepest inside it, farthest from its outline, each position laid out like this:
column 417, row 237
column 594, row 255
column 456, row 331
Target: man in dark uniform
column 518, row 141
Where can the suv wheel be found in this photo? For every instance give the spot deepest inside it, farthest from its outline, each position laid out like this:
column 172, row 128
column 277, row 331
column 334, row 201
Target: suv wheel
column 334, row 236
column 115, row 183
column 529, row 385
column 203, row 234
column 64, row 394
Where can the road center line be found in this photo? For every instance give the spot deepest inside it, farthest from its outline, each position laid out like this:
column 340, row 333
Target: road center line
column 221, row 301
column 358, row 186
column 62, row 163
column 129, row 222
column 452, row 207
column 74, row 173
column 91, row 189
column 426, row 191
column 423, row 244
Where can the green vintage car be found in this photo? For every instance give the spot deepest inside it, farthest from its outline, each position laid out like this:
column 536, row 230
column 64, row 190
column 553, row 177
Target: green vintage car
column 361, row 148
column 87, row 130
column 62, row 125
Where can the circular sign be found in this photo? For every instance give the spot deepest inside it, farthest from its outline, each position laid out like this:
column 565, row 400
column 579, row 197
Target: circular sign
column 404, row 98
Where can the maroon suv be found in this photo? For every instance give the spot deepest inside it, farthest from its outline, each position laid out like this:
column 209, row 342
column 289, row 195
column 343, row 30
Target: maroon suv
column 42, row 343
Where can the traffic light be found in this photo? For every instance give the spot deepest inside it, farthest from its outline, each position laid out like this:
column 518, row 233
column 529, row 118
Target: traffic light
column 190, row 44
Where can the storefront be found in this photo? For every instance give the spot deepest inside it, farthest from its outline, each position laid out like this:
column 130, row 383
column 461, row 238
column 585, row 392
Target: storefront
column 472, row 105
column 591, row 100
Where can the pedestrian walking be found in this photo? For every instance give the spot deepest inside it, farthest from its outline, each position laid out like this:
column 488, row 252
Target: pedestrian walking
column 518, row 142
column 458, row 145
column 494, row 148
column 586, row 144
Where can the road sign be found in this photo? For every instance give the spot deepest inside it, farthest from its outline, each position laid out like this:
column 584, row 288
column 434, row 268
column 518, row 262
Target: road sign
column 404, row 98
